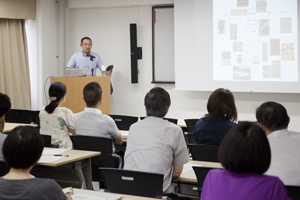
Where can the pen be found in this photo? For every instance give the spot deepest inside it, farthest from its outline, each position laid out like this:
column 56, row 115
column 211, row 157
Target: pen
column 61, row 155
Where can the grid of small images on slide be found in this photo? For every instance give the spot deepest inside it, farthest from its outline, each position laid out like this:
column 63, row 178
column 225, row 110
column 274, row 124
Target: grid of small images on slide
column 255, row 40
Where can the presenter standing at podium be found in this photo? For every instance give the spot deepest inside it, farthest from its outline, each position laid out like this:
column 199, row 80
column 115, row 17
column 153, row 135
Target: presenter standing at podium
column 86, row 59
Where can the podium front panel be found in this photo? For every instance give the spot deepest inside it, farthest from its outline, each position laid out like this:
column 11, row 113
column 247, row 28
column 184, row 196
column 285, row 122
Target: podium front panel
column 75, row 86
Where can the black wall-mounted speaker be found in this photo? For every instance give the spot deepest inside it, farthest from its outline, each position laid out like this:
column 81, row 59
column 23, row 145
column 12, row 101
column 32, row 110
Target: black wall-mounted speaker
column 133, row 53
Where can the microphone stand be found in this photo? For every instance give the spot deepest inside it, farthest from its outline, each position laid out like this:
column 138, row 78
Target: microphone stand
column 92, row 59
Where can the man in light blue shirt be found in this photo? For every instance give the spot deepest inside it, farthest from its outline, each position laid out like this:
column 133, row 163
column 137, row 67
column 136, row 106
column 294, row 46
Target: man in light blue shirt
column 4, row 108
column 86, row 59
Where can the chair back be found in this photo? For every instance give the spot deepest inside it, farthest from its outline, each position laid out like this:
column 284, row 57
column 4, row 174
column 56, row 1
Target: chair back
column 204, row 152
column 22, row 116
column 47, row 140
column 36, row 116
column 190, row 124
column 103, row 145
column 124, row 122
column 293, row 192
column 133, row 182
column 201, row 173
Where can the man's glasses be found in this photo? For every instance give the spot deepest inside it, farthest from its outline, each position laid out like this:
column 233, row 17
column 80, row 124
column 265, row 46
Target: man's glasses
column 87, row 45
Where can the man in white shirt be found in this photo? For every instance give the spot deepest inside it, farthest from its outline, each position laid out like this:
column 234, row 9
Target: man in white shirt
column 4, row 108
column 91, row 121
column 285, row 145
column 156, row 145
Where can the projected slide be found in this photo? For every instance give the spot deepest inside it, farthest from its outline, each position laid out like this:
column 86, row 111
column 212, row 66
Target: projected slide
column 255, row 40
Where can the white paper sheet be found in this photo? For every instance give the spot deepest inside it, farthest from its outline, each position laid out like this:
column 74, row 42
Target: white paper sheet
column 124, row 134
column 49, row 159
column 53, row 151
column 187, row 167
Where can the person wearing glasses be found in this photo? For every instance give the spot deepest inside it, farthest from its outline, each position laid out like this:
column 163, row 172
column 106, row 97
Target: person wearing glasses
column 82, row 59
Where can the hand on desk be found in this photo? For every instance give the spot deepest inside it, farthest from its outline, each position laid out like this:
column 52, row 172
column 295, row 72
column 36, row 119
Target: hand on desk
column 68, row 197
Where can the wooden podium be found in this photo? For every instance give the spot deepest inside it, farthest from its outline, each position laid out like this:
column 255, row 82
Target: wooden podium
column 75, row 87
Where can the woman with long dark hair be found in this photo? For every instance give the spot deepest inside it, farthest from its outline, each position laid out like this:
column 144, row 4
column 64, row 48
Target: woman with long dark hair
column 56, row 120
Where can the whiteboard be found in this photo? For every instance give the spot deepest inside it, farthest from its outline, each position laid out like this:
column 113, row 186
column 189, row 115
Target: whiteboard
column 163, row 45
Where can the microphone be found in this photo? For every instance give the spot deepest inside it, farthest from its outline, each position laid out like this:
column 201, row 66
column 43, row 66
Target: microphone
column 91, row 56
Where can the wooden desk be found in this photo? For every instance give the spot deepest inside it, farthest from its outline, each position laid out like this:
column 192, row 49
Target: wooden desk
column 190, row 176
column 73, row 155
column 84, row 172
column 10, row 126
column 124, row 196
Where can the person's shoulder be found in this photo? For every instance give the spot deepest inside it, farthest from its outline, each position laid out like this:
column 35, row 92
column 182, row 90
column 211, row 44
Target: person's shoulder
column 294, row 134
column 48, row 187
column 46, row 184
column 271, row 179
column 2, row 136
column 77, row 54
column 231, row 123
column 95, row 54
column 43, row 111
column 171, row 125
column 107, row 118
column 79, row 114
column 65, row 110
column 216, row 173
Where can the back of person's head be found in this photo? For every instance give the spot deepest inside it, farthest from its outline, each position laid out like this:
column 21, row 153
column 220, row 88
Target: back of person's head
column 245, row 149
column 92, row 94
column 273, row 116
column 221, row 104
column 57, row 91
column 22, row 147
column 5, row 104
column 157, row 102
column 84, row 39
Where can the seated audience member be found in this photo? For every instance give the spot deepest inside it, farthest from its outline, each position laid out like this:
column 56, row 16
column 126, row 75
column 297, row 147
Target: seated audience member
column 91, row 121
column 57, row 121
column 21, row 150
column 156, row 145
column 285, row 145
column 245, row 155
column 222, row 113
column 4, row 108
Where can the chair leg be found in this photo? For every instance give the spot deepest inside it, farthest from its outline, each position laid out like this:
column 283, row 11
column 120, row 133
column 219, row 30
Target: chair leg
column 79, row 174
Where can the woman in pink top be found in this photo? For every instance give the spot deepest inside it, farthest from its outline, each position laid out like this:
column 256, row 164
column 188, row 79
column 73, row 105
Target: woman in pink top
column 245, row 154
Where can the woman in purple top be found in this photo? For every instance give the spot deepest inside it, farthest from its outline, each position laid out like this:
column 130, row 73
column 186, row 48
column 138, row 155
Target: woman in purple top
column 222, row 114
column 245, row 154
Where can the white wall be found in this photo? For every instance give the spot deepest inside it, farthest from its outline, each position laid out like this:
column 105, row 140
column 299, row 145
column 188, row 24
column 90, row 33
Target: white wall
column 30, row 26
column 44, row 46
column 107, row 23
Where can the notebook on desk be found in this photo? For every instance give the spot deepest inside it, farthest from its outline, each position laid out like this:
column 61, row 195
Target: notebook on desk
column 76, row 72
